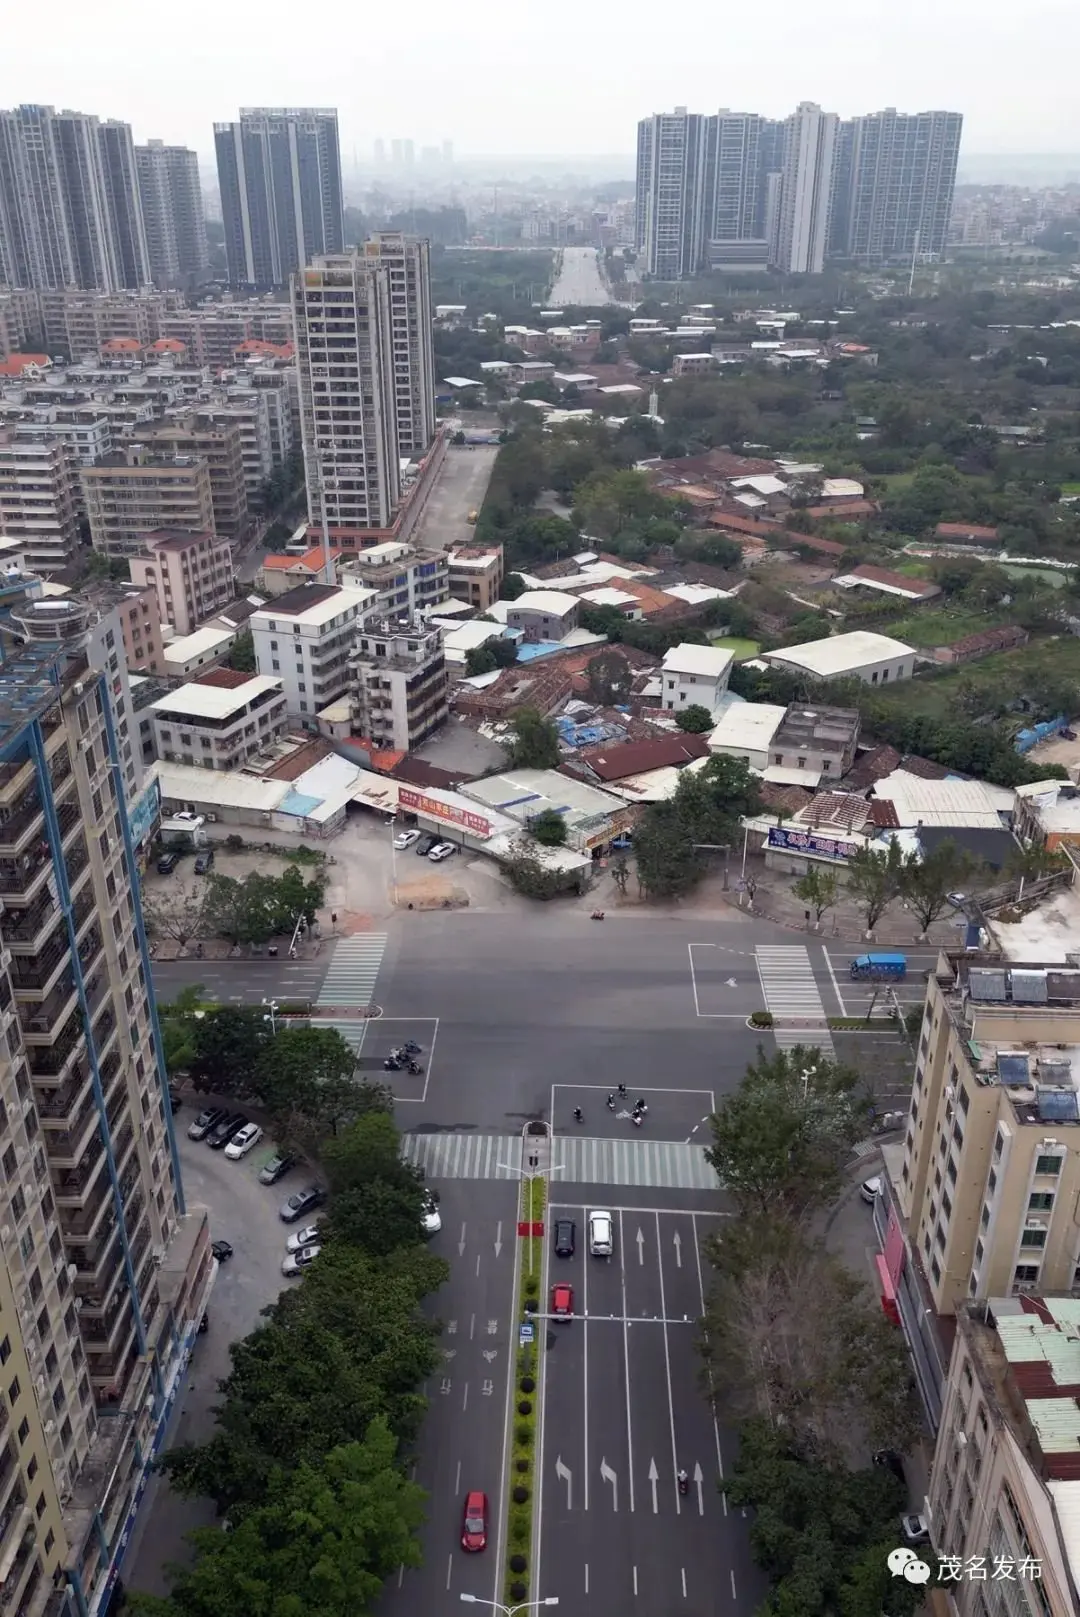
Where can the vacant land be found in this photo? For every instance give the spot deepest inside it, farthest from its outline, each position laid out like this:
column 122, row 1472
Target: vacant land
column 941, row 627
column 1002, row 678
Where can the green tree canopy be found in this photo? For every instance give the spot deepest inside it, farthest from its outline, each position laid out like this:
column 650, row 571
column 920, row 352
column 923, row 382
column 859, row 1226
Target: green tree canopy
column 536, row 741
column 549, row 828
column 874, row 879
column 927, row 879
column 377, row 1198
column 695, row 719
column 229, row 1041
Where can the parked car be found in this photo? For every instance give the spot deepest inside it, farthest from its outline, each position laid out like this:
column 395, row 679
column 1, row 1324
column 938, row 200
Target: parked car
column 405, row 839
column 167, row 864
column 221, row 1250
column 308, row 1236
column 219, row 1137
column 441, row 851
column 296, row 1262
column 869, row 1190
column 240, row 1144
column 277, row 1167
column 207, row 1120
column 204, row 862
column 562, row 1301
column 601, row 1235
column 474, row 1523
column 565, row 1237
column 430, row 1217
column 426, row 843
column 916, row 1529
column 301, row 1202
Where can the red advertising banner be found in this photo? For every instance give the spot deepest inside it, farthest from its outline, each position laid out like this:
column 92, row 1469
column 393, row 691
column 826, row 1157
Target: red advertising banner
column 421, row 803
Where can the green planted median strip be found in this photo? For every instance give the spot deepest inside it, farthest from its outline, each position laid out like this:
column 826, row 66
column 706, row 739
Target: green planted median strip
column 527, row 1382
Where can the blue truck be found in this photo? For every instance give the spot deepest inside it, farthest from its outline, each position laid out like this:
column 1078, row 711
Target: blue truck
column 879, row 967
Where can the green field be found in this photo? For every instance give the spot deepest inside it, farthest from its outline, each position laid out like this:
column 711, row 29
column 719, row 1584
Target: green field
column 1070, row 488
column 939, row 628
column 1046, row 575
column 741, row 650
column 1003, row 677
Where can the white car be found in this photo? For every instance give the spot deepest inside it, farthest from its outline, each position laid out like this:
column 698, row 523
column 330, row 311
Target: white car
column 405, row 839
column 430, row 1218
column 441, row 850
column 308, row 1236
column 601, row 1235
column 297, row 1262
column 242, row 1143
column 870, row 1190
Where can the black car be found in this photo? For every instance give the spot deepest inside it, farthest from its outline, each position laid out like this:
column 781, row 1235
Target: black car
column 167, row 864
column 565, row 1237
column 302, row 1202
column 426, row 843
column 204, row 862
column 207, row 1120
column 219, row 1137
column 221, row 1250
column 277, row 1167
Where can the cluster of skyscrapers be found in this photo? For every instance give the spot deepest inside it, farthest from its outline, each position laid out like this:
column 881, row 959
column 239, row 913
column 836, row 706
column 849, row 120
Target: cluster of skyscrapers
column 82, row 206
column 735, row 190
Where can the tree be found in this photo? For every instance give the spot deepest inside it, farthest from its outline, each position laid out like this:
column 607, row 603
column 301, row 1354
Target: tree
column 228, row 1043
column 322, row 1542
column 513, row 585
column 479, row 660
column 178, row 1029
column 820, row 1532
column 304, row 1079
column 527, row 874
column 817, row 890
column 695, row 719
column 668, row 865
column 536, row 741
column 175, row 912
column 377, row 1198
column 927, row 879
column 549, row 828
column 781, row 1140
column 610, row 677
column 874, row 878
column 1035, row 860
column 242, row 653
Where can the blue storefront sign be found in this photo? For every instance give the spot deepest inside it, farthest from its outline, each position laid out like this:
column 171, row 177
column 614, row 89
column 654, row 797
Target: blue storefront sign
column 145, row 812
column 809, row 842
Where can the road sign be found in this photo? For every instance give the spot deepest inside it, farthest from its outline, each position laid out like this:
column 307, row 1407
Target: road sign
column 526, row 1332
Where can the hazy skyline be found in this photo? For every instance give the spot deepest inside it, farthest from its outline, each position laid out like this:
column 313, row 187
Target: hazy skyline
column 571, row 80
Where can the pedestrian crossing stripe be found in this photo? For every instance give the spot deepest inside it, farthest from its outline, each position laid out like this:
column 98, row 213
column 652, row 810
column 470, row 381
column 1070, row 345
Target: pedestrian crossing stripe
column 791, row 995
column 353, row 971
column 659, row 1164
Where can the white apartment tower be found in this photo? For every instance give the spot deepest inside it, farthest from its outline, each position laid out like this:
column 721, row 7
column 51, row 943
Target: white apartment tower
column 172, row 207
column 801, row 227
column 342, row 308
column 408, row 262
column 671, row 213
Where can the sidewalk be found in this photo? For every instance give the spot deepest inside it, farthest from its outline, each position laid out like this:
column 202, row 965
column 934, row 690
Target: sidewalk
column 774, row 901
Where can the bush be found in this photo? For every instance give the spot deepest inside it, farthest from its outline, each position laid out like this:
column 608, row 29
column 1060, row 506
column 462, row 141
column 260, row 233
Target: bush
column 518, row 1563
column 761, row 1019
column 523, row 1434
column 522, row 1465
column 520, row 1495
column 528, row 1384
column 233, row 842
column 524, row 1407
column 518, row 1590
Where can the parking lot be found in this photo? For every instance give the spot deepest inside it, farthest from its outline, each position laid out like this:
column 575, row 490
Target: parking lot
column 623, row 1411
column 245, row 1214
column 460, row 487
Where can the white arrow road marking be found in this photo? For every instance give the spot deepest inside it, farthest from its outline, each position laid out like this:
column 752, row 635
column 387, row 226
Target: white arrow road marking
column 678, row 1249
column 461, row 1243
column 640, row 1238
column 654, row 1476
column 698, row 1481
column 608, row 1475
column 733, row 982
column 563, row 1472
column 498, row 1238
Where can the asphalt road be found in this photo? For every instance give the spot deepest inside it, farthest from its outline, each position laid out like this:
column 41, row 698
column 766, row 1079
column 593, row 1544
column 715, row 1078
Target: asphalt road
column 580, row 284
column 623, row 1411
column 244, row 982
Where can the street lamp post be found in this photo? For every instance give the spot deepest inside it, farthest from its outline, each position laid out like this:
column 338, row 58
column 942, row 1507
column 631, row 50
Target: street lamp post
column 271, row 1006
column 510, row 1611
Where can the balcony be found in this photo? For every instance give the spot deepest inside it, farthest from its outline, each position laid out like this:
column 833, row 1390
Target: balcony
column 83, row 1223
column 19, row 877
column 97, row 1259
column 25, row 1553
column 67, row 1145
column 41, row 1021
column 30, row 973
column 17, row 826
column 71, row 1186
column 99, row 1334
column 53, row 1059
column 8, row 1464
column 109, row 1366
column 62, row 1102
column 104, row 1028
column 10, row 1514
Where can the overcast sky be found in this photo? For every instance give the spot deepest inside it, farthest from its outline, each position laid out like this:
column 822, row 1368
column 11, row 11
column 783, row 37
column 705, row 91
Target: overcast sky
column 568, row 77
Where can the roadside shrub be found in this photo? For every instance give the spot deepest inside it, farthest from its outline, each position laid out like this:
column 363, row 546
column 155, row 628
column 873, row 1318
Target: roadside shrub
column 523, row 1435
column 523, row 1466
column 528, row 1384
column 524, row 1407
column 520, row 1495
column 518, row 1590
column 761, row 1019
column 518, row 1563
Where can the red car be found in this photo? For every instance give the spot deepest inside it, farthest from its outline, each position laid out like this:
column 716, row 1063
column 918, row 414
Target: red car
column 562, row 1301
column 474, row 1525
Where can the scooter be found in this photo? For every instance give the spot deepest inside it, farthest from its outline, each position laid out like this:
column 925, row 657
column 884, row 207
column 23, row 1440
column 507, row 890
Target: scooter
column 390, row 1065
column 411, row 1048
column 637, row 1119
column 611, row 1103
column 597, row 915
column 579, row 1115
column 414, row 1067
column 684, row 1482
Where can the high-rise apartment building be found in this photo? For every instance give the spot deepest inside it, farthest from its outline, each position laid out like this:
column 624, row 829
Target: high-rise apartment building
column 894, row 185
column 133, row 491
column 39, row 496
column 172, row 208
column 671, row 189
column 191, row 573
column 342, row 310
column 279, row 173
column 104, row 1275
column 398, row 693
column 407, row 260
column 801, row 229
column 70, row 213
column 216, row 439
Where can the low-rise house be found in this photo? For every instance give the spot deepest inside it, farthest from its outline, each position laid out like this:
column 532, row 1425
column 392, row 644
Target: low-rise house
column 219, row 721
column 876, row 659
column 694, row 675
column 544, row 614
column 602, row 766
column 984, row 644
column 883, row 582
column 967, row 533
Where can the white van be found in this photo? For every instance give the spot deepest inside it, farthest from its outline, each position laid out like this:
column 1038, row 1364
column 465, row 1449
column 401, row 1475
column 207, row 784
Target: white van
column 601, row 1235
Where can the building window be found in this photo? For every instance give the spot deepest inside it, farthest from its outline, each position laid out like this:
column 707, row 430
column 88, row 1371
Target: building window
column 1025, row 1274
column 935, row 1270
column 1048, row 1165
column 1041, row 1201
column 965, row 1100
column 24, row 1430
column 1033, row 1237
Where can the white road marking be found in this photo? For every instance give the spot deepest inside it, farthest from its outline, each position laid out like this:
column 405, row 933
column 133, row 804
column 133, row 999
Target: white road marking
column 682, row 1571
column 677, row 1241
column 608, row 1475
column 635, row 1580
column 498, row 1238
column 699, row 1479
column 564, row 1474
column 457, row 1479
column 586, row 1577
column 461, row 1243
column 667, row 1373
column 734, row 1596
column 626, row 1361
column 716, row 1427
column 835, row 984
column 449, row 1571
column 654, row 1478
column 472, row 1327
column 640, row 1238
column 465, row 1400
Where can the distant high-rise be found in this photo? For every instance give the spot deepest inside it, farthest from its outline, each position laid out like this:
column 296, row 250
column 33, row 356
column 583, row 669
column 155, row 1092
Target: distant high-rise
column 172, row 209
column 380, row 154
column 70, row 213
column 671, row 214
column 279, row 172
column 408, row 261
column 895, row 183
column 801, row 230
column 448, row 151
column 345, row 362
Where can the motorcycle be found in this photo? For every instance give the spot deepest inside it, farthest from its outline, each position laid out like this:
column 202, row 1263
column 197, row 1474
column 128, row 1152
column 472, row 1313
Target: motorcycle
column 636, row 1119
column 684, row 1482
column 415, row 1068
column 597, row 915
column 579, row 1115
column 411, row 1048
column 390, row 1065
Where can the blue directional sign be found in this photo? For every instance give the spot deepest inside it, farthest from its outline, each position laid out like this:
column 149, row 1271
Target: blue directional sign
column 526, row 1332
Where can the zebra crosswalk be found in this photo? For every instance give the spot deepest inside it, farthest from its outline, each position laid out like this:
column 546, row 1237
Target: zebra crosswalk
column 791, row 995
column 353, row 971
column 661, row 1164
